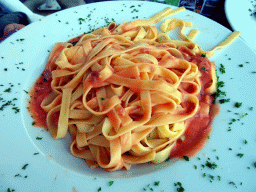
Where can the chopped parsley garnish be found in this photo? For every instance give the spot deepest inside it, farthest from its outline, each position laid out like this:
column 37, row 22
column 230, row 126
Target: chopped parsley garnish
column 10, row 190
column 238, row 104
column 180, row 188
column 222, row 69
column 203, row 55
column 38, row 138
column 8, row 90
column 156, row 183
column 110, row 183
column 211, row 165
column 211, row 177
column 230, row 149
column 17, row 175
column 251, row 108
column 245, row 141
column 99, row 189
column 195, row 166
column 241, row 65
column 186, row 158
column 240, row 155
column 219, row 178
column 25, row 166
column 232, row 183
column 220, row 84
column 204, row 175
column 36, row 153
column 221, row 101
column 254, row 164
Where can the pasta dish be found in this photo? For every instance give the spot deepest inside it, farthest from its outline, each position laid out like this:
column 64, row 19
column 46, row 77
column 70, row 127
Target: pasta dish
column 127, row 94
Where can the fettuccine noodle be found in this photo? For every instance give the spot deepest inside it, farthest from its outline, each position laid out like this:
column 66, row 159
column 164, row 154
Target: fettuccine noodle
column 126, row 92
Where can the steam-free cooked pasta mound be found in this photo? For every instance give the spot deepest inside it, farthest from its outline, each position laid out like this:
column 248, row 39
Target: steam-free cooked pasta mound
column 126, row 93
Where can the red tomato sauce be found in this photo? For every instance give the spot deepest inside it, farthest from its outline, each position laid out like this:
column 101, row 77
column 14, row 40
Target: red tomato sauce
column 40, row 90
column 199, row 127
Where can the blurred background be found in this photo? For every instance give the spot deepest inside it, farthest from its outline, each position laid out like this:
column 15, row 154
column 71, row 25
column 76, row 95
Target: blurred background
column 213, row 9
column 11, row 22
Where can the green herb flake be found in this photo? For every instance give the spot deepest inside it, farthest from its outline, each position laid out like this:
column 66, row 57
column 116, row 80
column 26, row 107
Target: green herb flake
column 186, row 158
column 25, row 166
column 38, row 138
column 156, row 183
column 233, row 183
column 17, row 175
column 220, row 84
column 219, row 178
column 8, row 90
column 211, row 165
column 238, row 104
column 25, row 176
column 230, row 149
column 99, row 189
column 245, row 141
column 251, row 108
column 211, row 177
column 195, row 166
column 241, row 65
column 110, row 183
column 35, row 153
column 203, row 55
column 222, row 69
column 240, row 155
column 204, row 175
column 221, row 101
column 254, row 164
column 180, row 188
column 217, row 157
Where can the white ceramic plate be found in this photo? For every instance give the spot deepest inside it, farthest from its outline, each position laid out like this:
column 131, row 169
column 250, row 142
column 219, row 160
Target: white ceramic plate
column 22, row 59
column 240, row 19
